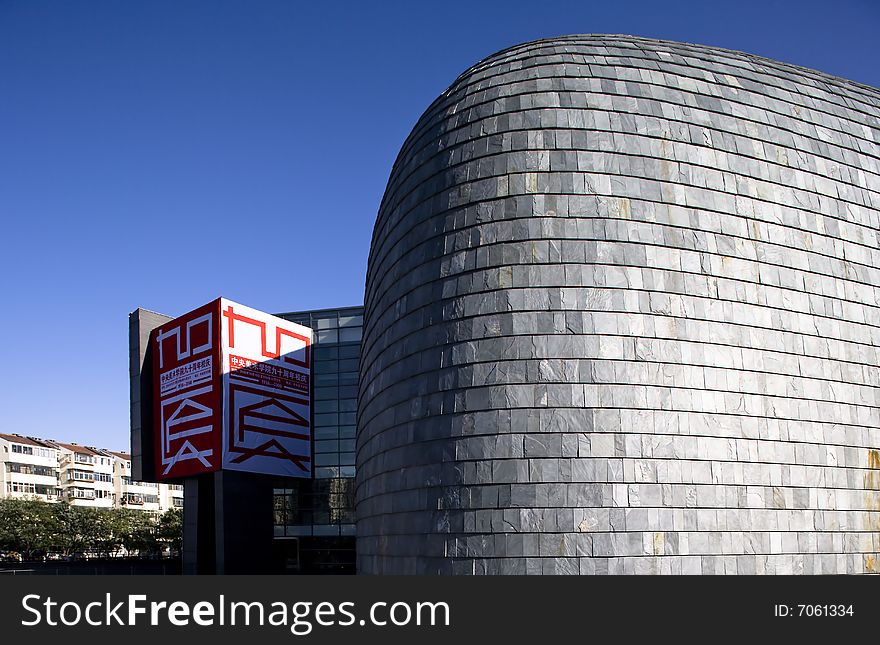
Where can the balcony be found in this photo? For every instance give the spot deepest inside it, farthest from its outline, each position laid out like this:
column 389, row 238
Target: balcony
column 30, row 469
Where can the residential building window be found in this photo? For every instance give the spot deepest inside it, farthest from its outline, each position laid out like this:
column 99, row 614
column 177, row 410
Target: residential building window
column 30, row 469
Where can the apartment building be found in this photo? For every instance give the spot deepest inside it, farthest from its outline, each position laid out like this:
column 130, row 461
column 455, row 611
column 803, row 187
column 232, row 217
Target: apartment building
column 147, row 496
column 80, row 475
column 28, row 468
column 85, row 476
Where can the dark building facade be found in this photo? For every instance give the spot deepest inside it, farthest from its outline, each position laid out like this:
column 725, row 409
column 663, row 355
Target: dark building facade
column 314, row 518
column 622, row 315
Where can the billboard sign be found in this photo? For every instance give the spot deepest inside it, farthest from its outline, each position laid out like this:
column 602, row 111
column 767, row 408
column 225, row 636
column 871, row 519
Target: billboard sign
column 186, row 394
column 232, row 390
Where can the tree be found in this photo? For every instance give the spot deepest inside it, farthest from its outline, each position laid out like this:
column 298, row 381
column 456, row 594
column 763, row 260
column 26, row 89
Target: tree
column 171, row 529
column 105, row 539
column 140, row 532
column 70, row 528
column 32, row 526
column 24, row 526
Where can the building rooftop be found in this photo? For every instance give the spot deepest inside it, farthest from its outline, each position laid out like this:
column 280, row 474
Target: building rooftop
column 17, row 438
column 83, row 450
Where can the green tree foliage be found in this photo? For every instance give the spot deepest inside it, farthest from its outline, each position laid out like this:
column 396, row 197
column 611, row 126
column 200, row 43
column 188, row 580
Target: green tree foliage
column 140, row 534
column 25, row 526
column 34, row 528
column 70, row 528
column 171, row 529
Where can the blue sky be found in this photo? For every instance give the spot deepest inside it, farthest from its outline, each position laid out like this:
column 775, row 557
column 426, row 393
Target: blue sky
column 163, row 153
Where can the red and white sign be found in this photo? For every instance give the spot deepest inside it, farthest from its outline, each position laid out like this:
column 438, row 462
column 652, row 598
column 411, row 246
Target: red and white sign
column 267, row 368
column 187, row 399
column 233, row 391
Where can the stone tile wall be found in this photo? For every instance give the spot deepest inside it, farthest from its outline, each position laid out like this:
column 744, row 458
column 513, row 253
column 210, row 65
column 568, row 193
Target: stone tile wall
column 623, row 316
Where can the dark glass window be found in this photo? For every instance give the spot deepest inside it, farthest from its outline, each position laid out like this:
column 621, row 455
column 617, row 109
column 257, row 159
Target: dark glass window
column 331, row 405
column 325, row 353
column 350, row 335
column 324, row 393
column 350, row 351
column 326, row 433
column 347, row 405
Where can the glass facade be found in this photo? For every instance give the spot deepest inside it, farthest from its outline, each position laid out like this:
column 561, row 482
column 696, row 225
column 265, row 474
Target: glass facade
column 315, row 517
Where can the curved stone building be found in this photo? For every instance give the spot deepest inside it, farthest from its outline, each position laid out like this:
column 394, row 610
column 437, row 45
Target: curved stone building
column 623, row 316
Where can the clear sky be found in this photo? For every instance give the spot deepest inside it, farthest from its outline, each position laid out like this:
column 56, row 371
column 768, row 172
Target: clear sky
column 162, row 153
